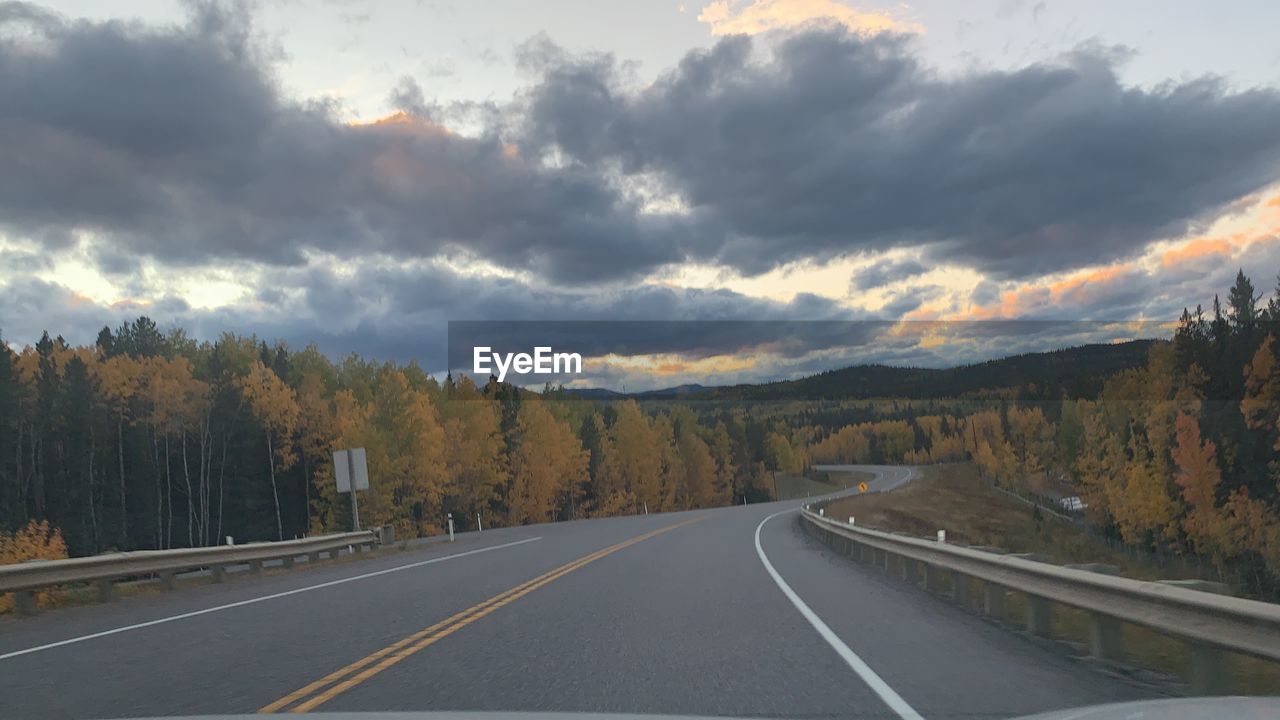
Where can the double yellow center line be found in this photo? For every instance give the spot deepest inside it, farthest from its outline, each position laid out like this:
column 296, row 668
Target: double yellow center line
column 345, row 678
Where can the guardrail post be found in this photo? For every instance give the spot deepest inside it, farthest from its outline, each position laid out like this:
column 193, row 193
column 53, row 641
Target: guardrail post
column 960, row 588
column 167, row 579
column 909, row 571
column 313, row 557
column 287, row 562
column 1105, row 641
column 255, row 566
column 218, row 573
column 932, row 578
column 24, row 603
column 1210, row 666
column 993, row 597
column 1039, row 615
column 1210, row 670
column 106, row 590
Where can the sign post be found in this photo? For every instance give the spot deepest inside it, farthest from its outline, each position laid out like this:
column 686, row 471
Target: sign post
column 351, row 472
column 355, row 496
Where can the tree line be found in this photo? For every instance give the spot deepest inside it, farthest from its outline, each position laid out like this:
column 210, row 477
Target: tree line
column 149, row 439
column 1179, row 455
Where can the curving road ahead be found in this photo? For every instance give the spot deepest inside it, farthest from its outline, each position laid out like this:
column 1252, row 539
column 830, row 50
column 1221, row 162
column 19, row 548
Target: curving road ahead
column 731, row 611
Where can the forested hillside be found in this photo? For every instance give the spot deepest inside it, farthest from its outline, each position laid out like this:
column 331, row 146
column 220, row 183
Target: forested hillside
column 150, row 439
column 1073, row 372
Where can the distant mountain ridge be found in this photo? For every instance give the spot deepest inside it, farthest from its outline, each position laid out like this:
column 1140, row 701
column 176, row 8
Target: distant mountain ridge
column 1079, row 371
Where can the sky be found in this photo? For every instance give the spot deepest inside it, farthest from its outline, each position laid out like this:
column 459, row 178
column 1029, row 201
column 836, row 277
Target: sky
column 356, row 174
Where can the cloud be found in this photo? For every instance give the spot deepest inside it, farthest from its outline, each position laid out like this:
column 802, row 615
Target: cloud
column 884, row 272
column 902, row 303
column 400, row 314
column 1197, row 251
column 176, row 143
column 829, row 144
column 758, row 16
column 396, row 311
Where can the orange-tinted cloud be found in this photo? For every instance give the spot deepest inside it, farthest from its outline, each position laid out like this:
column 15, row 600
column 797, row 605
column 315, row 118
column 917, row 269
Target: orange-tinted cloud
column 1197, row 249
column 403, row 123
column 758, row 16
column 1079, row 289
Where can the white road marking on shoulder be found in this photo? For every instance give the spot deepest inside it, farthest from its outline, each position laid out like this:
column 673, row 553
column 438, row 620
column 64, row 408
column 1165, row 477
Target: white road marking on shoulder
column 864, row 671
column 251, row 601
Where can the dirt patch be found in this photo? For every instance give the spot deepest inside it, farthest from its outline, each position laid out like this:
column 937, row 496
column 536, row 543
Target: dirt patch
column 954, row 498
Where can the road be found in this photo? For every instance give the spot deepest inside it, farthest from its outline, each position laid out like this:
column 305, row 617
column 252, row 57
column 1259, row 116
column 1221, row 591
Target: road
column 662, row 613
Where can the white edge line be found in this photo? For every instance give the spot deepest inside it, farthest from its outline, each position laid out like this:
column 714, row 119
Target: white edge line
column 251, row 601
column 864, row 671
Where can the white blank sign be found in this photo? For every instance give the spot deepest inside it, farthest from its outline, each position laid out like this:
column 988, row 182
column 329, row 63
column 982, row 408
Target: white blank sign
column 342, row 472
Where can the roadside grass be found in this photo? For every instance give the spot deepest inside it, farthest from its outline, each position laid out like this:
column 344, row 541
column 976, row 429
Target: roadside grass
column 790, row 487
column 954, row 498
column 815, row 483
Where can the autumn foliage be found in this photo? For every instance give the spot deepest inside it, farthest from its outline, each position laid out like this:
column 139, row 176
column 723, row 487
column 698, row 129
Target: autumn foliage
column 35, row 541
column 152, row 440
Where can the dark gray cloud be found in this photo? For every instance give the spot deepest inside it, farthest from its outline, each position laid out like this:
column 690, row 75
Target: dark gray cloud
column 177, row 142
column 985, row 293
column 885, row 272
column 909, row 299
column 806, row 336
column 402, row 313
column 836, row 144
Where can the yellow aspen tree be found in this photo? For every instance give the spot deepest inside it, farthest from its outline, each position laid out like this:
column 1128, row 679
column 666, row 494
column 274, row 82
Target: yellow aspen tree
column 475, row 457
column 673, row 490
column 1261, row 403
column 317, row 433
column 638, row 455
column 699, row 467
column 1205, row 523
column 119, row 378
column 726, row 469
column 406, row 456
column 779, row 457
column 548, row 462
column 275, row 406
column 1098, row 462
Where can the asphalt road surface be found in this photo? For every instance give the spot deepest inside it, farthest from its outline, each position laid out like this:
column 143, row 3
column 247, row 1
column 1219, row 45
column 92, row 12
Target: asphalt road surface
column 730, row 611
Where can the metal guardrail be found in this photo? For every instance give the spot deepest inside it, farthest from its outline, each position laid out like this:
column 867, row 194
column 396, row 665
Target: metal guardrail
column 1210, row 622
column 23, row 579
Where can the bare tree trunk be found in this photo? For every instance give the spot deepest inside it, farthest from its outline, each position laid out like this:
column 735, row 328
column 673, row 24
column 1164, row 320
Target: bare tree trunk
column 306, row 487
column 168, row 490
column 205, row 463
column 155, row 462
column 271, row 463
column 22, row 483
column 93, row 512
column 222, row 468
column 124, row 508
column 186, row 476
